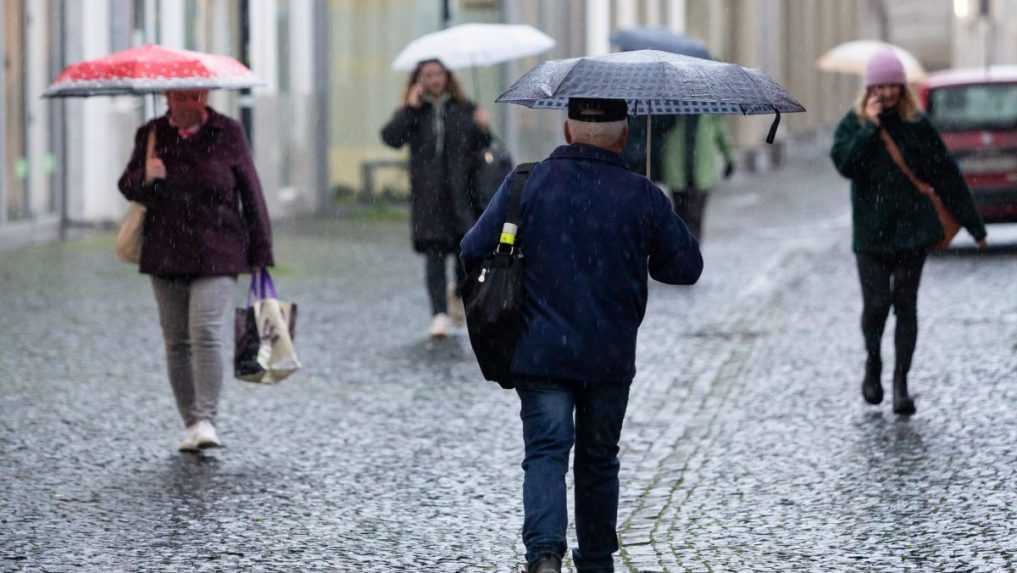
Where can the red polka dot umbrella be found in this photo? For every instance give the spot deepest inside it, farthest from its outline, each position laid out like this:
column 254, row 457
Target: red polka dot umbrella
column 151, row 69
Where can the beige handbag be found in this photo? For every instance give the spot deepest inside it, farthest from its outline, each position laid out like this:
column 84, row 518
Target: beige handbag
column 129, row 236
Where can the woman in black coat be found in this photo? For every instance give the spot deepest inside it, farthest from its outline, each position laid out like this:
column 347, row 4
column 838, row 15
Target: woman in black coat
column 446, row 133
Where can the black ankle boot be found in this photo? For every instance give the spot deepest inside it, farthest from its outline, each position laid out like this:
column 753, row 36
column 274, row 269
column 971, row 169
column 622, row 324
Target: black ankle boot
column 547, row 563
column 902, row 402
column 872, row 388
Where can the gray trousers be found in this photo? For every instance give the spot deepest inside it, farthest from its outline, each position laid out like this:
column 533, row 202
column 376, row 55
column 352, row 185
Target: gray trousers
column 191, row 313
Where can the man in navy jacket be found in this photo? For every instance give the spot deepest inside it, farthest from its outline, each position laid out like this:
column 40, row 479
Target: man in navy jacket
column 590, row 230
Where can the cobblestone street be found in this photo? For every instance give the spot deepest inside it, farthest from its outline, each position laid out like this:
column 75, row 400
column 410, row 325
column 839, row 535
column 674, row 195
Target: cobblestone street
column 747, row 446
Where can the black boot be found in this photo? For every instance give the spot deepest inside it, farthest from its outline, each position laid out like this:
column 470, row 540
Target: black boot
column 547, row 563
column 872, row 388
column 902, row 403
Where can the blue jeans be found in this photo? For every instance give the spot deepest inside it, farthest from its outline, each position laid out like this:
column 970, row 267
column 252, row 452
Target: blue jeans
column 547, row 409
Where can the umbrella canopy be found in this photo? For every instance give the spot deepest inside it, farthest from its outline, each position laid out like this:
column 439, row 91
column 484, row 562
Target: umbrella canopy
column 851, row 57
column 151, row 69
column 654, row 83
column 657, row 38
column 469, row 45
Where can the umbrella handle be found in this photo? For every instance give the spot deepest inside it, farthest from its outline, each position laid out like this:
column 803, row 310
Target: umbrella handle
column 649, row 146
column 773, row 126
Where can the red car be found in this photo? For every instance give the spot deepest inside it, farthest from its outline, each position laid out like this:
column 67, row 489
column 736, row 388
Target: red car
column 975, row 111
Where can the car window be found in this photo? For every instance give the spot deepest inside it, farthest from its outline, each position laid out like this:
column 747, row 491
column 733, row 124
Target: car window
column 985, row 106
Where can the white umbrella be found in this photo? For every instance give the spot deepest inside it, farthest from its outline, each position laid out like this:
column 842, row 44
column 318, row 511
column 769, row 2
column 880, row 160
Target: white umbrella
column 469, row 45
column 851, row 57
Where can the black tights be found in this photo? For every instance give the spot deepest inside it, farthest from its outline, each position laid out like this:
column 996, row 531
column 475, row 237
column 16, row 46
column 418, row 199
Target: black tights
column 437, row 281
column 891, row 281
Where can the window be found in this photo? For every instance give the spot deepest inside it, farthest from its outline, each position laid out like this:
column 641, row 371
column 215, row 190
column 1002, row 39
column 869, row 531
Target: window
column 984, row 106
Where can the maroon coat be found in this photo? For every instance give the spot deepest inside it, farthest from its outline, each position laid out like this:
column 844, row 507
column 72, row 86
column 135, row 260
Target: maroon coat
column 208, row 216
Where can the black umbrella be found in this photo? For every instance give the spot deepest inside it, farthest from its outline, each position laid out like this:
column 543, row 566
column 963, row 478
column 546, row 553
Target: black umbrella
column 655, row 83
column 656, row 38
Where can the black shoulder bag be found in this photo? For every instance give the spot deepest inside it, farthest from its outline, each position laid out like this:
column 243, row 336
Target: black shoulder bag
column 493, row 294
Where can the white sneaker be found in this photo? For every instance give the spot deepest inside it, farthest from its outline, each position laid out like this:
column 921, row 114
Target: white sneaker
column 190, row 441
column 440, row 325
column 456, row 310
column 205, row 436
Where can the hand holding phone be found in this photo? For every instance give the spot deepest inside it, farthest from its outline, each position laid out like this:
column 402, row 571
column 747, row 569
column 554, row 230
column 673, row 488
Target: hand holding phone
column 873, row 107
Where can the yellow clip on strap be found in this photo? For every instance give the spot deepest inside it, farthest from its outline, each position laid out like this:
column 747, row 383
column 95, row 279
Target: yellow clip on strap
column 508, row 238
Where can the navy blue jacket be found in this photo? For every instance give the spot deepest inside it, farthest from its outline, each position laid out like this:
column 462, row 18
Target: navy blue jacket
column 590, row 231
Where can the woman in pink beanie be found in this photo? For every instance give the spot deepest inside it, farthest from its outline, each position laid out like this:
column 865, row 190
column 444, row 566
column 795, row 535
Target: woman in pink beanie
column 895, row 222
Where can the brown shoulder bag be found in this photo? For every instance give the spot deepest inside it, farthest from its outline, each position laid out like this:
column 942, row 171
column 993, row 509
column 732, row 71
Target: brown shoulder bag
column 950, row 225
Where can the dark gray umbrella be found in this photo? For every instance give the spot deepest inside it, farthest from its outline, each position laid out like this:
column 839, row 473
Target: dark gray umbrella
column 655, row 38
column 655, row 83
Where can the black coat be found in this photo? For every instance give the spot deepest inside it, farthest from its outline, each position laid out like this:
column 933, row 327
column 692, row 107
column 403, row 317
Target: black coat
column 440, row 183
column 889, row 215
column 208, row 216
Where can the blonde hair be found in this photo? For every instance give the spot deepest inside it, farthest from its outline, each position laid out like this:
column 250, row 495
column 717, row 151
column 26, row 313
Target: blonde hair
column 603, row 134
column 907, row 107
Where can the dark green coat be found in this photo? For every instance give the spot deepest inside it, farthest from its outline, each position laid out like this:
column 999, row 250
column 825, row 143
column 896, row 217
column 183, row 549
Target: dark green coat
column 889, row 214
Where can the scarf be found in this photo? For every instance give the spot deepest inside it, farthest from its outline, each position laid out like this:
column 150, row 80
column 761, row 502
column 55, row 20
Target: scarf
column 440, row 105
column 189, row 131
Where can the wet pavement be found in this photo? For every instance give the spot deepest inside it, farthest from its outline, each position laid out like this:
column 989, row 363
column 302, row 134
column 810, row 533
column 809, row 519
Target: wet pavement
column 747, row 446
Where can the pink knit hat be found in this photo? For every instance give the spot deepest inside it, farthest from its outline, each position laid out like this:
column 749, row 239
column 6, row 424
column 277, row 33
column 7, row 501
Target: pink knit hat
column 883, row 68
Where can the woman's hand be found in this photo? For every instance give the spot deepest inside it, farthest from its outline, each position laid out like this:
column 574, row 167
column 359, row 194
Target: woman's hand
column 413, row 96
column 154, row 169
column 873, row 107
column 982, row 244
column 482, row 118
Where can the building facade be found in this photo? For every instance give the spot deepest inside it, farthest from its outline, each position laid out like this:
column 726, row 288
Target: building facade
column 62, row 158
column 30, row 149
column 315, row 127
column 782, row 37
column 985, row 33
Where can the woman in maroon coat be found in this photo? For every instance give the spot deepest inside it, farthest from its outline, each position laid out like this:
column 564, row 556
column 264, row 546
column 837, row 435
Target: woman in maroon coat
column 205, row 223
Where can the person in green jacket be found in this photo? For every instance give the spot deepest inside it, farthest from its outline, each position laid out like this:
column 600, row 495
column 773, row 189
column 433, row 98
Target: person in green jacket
column 694, row 140
column 894, row 222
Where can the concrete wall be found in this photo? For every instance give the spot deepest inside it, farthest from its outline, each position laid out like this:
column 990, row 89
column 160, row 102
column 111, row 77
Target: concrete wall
column 3, row 118
column 982, row 41
column 28, row 195
column 363, row 90
column 93, row 169
column 784, row 38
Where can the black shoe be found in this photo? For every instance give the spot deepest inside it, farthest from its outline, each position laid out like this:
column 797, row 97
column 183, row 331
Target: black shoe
column 902, row 403
column 547, row 563
column 872, row 388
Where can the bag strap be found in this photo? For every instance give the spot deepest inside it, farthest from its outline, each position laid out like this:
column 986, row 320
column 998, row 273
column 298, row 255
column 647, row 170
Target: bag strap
column 150, row 148
column 516, row 185
column 267, row 286
column 895, row 154
column 261, row 287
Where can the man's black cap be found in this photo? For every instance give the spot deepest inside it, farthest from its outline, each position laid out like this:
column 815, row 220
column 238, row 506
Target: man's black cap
column 595, row 110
